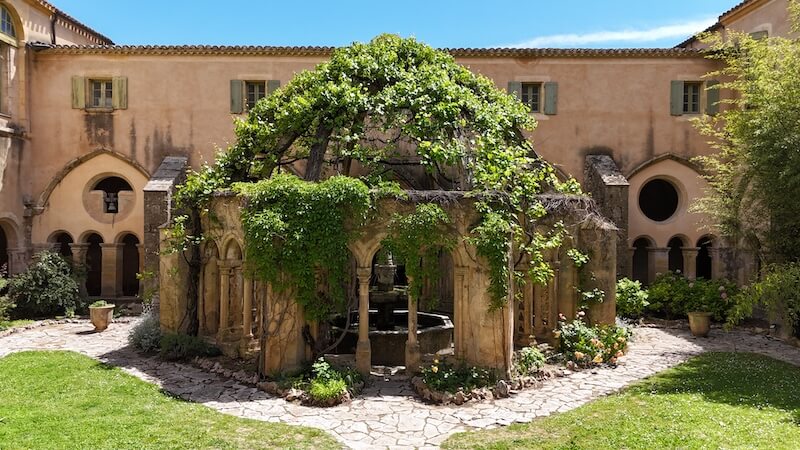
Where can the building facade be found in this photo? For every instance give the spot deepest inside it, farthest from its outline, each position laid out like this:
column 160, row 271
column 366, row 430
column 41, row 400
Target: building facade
column 92, row 134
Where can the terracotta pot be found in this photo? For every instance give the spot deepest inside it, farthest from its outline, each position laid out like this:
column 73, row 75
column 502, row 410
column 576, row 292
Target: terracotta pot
column 700, row 323
column 101, row 316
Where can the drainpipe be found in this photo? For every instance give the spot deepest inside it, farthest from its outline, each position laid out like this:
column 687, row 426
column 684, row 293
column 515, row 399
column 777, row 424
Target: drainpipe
column 53, row 20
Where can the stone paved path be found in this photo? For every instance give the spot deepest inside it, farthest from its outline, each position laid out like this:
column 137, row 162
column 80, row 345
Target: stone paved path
column 387, row 414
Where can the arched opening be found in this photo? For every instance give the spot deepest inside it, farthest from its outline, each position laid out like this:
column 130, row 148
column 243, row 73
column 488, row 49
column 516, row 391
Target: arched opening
column 111, row 187
column 4, row 267
column 658, row 200
column 130, row 265
column 94, row 265
column 63, row 241
column 676, row 254
column 210, row 311
column 640, row 266
column 704, row 269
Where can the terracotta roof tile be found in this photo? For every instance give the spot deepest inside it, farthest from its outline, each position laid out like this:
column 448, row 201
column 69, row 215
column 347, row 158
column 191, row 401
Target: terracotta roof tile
column 76, row 25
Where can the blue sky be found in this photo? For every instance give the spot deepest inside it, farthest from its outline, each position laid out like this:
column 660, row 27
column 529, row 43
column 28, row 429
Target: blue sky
column 441, row 23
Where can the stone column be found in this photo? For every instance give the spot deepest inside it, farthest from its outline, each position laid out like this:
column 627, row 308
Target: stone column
column 140, row 251
column 690, row 261
column 224, row 296
column 17, row 260
column 363, row 348
column 716, row 267
column 658, row 261
column 247, row 309
column 460, row 298
column 79, row 264
column 567, row 296
column 413, row 353
column 111, row 281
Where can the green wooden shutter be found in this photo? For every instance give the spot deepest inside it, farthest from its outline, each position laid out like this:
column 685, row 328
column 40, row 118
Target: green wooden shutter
column 551, row 98
column 272, row 86
column 758, row 35
column 676, row 98
column 515, row 89
column 78, row 92
column 712, row 97
column 237, row 96
column 119, row 92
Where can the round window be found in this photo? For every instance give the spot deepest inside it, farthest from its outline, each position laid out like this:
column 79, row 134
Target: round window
column 658, row 200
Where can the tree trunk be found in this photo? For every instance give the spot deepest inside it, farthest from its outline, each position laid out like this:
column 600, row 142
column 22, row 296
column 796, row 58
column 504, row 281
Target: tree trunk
column 316, row 157
column 190, row 323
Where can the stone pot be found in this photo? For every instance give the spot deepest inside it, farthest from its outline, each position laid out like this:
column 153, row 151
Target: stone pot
column 101, row 316
column 700, row 323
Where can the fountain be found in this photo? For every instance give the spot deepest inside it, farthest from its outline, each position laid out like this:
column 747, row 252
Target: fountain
column 388, row 322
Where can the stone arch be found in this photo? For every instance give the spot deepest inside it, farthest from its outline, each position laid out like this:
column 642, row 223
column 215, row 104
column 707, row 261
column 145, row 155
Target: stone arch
column 19, row 28
column 64, row 241
column 72, row 164
column 640, row 264
column 675, row 255
column 232, row 249
column 660, row 158
column 364, row 250
column 8, row 237
column 705, row 260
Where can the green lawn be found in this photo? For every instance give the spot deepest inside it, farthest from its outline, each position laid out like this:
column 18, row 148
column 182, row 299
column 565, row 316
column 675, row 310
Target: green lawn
column 6, row 324
column 55, row 400
column 718, row 400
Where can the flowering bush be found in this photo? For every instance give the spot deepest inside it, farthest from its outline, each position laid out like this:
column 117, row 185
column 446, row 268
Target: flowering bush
column 444, row 377
column 631, row 299
column 672, row 296
column 778, row 293
column 588, row 345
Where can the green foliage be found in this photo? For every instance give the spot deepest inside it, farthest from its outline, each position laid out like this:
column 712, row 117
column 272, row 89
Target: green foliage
column 370, row 103
column 45, row 289
column 416, row 240
column 326, row 384
column 184, row 347
column 587, row 345
column 445, row 377
column 753, row 176
column 146, row 334
column 6, row 305
column 322, row 391
column 297, row 233
column 672, row 296
column 778, row 292
column 529, row 360
column 99, row 303
column 631, row 299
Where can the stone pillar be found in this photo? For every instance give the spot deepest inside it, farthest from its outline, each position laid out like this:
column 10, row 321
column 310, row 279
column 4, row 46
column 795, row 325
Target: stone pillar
column 247, row 309
column 111, row 270
column 525, row 313
column 690, row 261
column 609, row 188
column 658, row 261
column 142, row 281
column 17, row 260
column 460, row 293
column 716, row 262
column 79, row 264
column 413, row 353
column 567, row 296
column 363, row 348
column 224, row 296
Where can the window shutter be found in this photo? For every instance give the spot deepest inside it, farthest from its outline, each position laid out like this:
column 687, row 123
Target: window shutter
column 676, row 98
column 272, row 86
column 712, row 97
column 78, row 92
column 550, row 98
column 758, row 35
column 515, row 89
column 119, row 92
column 237, row 96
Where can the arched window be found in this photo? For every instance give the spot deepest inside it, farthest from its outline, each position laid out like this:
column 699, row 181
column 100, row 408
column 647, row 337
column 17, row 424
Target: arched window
column 7, row 23
column 111, row 187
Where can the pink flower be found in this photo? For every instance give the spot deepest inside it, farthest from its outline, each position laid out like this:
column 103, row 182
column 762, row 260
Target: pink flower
column 724, row 295
column 581, row 314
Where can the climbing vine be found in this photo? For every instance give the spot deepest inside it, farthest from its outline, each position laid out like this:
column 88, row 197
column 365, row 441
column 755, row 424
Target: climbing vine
column 416, row 240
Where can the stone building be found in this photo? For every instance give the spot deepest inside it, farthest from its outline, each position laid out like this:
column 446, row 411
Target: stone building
column 93, row 135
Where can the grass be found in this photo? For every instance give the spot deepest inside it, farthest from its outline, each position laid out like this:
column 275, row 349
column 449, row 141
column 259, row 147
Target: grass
column 54, row 400
column 6, row 324
column 717, row 400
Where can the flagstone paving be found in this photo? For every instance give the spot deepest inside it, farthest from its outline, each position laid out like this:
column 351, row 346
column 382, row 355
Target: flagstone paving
column 387, row 415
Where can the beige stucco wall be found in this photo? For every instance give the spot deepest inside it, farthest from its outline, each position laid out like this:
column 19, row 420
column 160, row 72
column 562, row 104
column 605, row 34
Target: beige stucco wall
column 770, row 16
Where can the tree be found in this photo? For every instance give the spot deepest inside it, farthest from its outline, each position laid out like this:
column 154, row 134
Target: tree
column 754, row 177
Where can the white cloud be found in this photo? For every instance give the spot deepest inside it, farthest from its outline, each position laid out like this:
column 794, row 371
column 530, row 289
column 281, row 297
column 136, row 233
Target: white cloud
column 677, row 31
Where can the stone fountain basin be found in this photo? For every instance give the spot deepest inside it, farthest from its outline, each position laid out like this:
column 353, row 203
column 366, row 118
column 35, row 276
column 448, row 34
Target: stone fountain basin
column 435, row 333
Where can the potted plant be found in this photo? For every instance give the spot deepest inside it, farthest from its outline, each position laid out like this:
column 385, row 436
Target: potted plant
column 699, row 323
column 101, row 313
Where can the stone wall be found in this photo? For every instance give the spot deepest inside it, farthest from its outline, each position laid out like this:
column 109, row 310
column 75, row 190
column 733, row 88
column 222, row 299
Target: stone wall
column 609, row 189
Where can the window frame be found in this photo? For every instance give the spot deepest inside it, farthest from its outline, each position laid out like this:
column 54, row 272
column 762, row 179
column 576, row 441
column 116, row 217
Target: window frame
column 106, row 94
column 262, row 84
column 530, row 87
column 687, row 101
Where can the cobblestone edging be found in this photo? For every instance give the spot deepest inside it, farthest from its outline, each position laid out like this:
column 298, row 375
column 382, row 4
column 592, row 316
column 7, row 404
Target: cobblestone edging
column 388, row 413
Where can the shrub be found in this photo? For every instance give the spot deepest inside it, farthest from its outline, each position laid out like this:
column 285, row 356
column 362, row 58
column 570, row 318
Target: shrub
column 323, row 391
column 46, row 288
column 672, row 296
column 99, row 304
column 778, row 292
column 529, row 360
column 443, row 377
column 6, row 305
column 327, row 384
column 146, row 334
column 182, row 347
column 587, row 345
column 631, row 299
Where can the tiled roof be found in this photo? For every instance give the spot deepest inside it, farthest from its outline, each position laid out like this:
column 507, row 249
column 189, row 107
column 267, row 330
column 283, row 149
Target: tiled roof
column 718, row 25
column 201, row 50
column 74, row 24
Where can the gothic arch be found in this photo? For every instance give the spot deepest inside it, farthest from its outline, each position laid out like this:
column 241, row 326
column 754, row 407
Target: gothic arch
column 660, row 158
